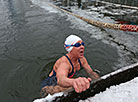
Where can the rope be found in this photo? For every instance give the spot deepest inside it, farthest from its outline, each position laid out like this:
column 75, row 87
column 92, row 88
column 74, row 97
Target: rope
column 130, row 28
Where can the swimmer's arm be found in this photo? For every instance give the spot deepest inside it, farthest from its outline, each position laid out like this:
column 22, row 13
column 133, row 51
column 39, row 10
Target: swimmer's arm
column 62, row 73
column 79, row 84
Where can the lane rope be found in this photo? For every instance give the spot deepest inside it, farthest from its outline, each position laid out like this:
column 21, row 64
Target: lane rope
column 130, row 28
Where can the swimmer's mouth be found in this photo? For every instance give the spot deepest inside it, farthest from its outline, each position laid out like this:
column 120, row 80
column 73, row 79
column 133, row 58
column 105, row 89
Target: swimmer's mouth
column 81, row 52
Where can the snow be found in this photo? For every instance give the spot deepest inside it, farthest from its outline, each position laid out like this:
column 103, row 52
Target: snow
column 49, row 98
column 125, row 92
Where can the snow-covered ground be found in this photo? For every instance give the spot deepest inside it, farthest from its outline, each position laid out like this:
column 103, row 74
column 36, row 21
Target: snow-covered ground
column 125, row 92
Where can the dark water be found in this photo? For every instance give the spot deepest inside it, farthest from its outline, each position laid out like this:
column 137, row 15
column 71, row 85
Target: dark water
column 31, row 40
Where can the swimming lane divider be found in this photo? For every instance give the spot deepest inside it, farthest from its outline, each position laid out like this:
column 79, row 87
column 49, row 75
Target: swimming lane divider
column 130, row 28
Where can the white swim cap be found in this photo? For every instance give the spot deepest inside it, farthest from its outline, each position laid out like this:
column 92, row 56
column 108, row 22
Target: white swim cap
column 71, row 40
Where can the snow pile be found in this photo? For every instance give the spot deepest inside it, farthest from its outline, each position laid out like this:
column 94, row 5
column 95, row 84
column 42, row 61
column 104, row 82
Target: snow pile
column 125, row 92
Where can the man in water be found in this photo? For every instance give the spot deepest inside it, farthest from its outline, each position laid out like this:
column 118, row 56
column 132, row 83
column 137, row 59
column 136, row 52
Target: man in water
column 68, row 65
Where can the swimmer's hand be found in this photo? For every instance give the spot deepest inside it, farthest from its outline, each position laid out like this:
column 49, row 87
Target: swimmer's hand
column 81, row 84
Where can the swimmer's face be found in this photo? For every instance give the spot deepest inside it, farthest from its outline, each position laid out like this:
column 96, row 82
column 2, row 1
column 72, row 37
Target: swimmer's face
column 78, row 50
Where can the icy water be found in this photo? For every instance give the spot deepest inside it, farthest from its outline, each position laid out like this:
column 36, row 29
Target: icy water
column 31, row 40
